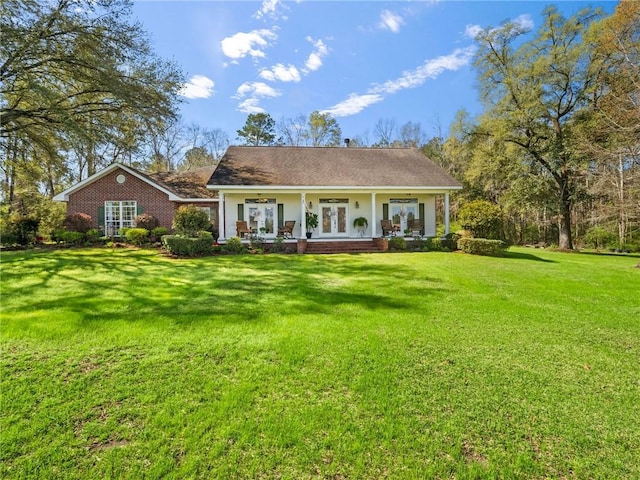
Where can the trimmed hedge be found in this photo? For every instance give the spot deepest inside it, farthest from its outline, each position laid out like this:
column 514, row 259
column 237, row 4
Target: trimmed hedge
column 189, row 246
column 137, row 236
column 482, row 246
column 397, row 243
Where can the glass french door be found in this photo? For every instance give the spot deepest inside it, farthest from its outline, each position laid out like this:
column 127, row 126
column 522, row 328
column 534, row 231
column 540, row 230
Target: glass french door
column 262, row 216
column 118, row 215
column 403, row 213
column 334, row 219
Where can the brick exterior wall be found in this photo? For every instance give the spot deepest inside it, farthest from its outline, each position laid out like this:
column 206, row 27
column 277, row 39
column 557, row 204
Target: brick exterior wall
column 151, row 200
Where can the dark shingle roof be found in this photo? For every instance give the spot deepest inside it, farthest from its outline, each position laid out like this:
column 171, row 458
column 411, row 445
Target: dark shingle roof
column 329, row 166
column 187, row 184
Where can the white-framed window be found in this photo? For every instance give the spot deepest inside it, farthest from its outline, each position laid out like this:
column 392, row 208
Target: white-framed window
column 119, row 214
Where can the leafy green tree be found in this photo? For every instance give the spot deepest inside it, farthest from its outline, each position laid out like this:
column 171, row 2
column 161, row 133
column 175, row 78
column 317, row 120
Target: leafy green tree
column 535, row 93
column 610, row 132
column 323, row 130
column 63, row 66
column 259, row 129
column 77, row 83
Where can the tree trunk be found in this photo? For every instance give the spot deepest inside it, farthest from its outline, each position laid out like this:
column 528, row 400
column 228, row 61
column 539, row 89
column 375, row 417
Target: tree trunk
column 564, row 220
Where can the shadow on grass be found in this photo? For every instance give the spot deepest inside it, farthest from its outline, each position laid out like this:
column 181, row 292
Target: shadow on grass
column 103, row 286
column 526, row 256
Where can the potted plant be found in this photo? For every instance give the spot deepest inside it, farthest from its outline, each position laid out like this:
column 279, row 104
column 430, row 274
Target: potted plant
column 361, row 225
column 312, row 222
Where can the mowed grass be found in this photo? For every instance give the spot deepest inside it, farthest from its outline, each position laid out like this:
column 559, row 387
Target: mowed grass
column 127, row 364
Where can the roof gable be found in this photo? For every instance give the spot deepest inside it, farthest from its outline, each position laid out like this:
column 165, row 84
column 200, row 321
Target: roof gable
column 329, row 166
column 179, row 186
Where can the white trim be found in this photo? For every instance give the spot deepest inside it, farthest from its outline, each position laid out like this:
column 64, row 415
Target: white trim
column 196, row 200
column 329, row 188
column 64, row 196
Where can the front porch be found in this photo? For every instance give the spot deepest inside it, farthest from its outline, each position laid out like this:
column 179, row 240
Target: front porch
column 347, row 216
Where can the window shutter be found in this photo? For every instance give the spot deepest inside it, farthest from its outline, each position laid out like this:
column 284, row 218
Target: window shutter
column 385, row 211
column 280, row 215
column 421, row 215
column 138, row 210
column 240, row 212
column 101, row 218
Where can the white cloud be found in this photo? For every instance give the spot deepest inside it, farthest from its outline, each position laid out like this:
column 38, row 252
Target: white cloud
column 390, row 21
column 471, row 31
column 251, row 92
column 525, row 22
column 353, row 104
column 281, row 73
column 251, row 43
column 272, row 9
column 268, row 8
column 250, row 105
column 198, row 86
column 314, row 61
column 431, row 69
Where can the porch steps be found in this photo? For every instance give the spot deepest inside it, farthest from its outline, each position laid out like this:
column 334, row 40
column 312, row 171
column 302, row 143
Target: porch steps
column 357, row 246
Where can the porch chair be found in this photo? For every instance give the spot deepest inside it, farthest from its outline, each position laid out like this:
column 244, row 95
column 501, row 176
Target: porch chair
column 388, row 228
column 415, row 225
column 287, row 230
column 242, row 229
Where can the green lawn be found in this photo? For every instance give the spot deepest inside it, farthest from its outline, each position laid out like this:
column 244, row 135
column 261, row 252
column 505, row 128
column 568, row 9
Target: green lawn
column 127, row 364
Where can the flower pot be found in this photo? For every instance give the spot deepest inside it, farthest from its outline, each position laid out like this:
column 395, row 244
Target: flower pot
column 308, row 235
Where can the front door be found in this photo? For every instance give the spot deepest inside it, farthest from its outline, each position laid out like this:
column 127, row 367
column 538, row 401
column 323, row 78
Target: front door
column 262, row 219
column 334, row 222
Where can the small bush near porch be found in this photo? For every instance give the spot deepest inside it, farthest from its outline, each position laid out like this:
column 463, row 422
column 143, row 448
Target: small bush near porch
column 129, row 364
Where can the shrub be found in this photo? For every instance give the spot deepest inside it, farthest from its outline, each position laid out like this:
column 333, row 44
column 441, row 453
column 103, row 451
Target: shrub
column 188, row 220
column 397, row 243
column 481, row 246
column 146, row 221
column 93, row 235
column 157, row 233
column 419, row 244
column 58, row 234
column 78, row 222
column 233, row 245
column 8, row 238
column 450, row 241
column 482, row 218
column 22, row 230
column 599, row 237
column 137, row 236
column 278, row 245
column 73, row 238
column 435, row 244
column 188, row 246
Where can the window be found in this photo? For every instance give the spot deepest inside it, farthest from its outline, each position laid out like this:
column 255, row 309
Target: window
column 119, row 214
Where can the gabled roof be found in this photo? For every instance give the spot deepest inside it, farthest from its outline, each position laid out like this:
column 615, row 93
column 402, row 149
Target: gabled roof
column 179, row 186
column 329, row 167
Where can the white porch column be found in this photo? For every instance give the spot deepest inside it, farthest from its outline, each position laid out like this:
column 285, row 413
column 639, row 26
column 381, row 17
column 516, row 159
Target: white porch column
column 446, row 213
column 303, row 215
column 221, row 219
column 374, row 224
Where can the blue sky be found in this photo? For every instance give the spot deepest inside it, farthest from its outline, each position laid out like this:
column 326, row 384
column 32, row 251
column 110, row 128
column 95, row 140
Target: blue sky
column 361, row 61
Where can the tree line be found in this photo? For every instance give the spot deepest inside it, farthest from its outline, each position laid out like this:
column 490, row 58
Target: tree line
column 556, row 148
